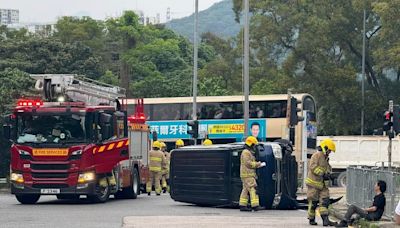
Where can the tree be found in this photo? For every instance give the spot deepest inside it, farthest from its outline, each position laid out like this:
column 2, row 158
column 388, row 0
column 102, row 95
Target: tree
column 13, row 85
column 317, row 46
column 47, row 55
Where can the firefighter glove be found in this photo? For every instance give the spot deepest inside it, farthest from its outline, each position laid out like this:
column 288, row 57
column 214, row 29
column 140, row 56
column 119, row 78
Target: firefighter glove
column 262, row 164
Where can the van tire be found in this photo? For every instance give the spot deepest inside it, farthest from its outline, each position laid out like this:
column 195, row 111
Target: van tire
column 342, row 179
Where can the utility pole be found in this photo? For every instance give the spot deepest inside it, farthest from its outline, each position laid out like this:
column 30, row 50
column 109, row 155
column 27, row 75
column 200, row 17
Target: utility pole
column 391, row 136
column 246, row 68
column 195, row 53
column 363, row 77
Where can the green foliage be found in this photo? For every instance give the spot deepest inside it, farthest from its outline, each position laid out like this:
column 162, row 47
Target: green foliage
column 13, row 85
column 109, row 78
column 218, row 19
column 85, row 30
column 38, row 56
column 315, row 47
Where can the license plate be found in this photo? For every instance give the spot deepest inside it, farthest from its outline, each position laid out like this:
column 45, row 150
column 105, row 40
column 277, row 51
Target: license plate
column 50, row 152
column 50, row 191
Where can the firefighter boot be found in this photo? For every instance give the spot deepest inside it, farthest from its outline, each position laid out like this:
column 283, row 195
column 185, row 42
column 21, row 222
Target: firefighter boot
column 326, row 221
column 149, row 193
column 312, row 222
column 164, row 190
column 244, row 208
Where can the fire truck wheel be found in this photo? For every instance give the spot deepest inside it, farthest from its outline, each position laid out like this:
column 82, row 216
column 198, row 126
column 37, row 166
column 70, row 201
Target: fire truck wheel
column 28, row 199
column 101, row 194
column 132, row 191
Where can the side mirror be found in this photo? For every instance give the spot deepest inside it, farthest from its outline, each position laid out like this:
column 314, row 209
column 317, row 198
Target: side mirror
column 7, row 132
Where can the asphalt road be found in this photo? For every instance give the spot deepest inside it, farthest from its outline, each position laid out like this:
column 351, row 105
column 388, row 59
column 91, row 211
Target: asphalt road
column 50, row 212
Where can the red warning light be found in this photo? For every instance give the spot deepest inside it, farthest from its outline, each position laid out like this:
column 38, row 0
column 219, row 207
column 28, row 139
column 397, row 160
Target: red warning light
column 29, row 102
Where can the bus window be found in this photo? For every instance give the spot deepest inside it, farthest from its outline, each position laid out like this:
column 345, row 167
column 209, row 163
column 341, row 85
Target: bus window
column 209, row 111
column 147, row 112
column 165, row 111
column 309, row 105
column 258, row 109
column 276, row 109
column 186, row 111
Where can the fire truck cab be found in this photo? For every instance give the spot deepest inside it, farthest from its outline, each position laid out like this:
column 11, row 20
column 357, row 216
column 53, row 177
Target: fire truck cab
column 73, row 147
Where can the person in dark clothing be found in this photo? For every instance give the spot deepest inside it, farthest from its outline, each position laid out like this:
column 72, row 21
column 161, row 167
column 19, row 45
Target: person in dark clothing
column 372, row 213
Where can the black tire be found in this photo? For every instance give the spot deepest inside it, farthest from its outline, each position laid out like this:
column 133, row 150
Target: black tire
column 342, row 180
column 101, row 195
column 28, row 199
column 67, row 197
column 132, row 191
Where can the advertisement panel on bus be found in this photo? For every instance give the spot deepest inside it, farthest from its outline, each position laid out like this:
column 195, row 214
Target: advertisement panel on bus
column 213, row 129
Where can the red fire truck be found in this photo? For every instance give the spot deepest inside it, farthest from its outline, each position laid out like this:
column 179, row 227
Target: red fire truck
column 78, row 141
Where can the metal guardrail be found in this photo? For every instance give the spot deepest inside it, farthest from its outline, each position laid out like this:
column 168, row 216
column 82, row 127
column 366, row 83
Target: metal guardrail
column 360, row 187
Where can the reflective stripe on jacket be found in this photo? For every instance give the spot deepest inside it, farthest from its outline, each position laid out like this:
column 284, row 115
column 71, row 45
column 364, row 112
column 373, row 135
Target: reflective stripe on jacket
column 157, row 160
column 248, row 164
column 319, row 165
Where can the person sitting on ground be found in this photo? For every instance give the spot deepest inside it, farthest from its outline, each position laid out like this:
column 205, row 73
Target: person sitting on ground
column 397, row 214
column 373, row 213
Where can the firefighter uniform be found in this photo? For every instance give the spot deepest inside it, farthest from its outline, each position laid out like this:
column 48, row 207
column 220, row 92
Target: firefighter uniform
column 165, row 170
column 248, row 166
column 157, row 163
column 318, row 182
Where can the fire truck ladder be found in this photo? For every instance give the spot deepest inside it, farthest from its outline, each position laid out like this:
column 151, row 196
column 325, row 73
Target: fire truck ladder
column 70, row 87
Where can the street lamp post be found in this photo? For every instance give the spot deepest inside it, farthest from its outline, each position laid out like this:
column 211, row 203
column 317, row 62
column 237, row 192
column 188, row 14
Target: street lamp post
column 195, row 53
column 246, row 68
column 363, row 78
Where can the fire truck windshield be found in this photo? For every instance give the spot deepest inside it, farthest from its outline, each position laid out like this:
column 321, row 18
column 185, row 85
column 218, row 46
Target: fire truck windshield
column 50, row 128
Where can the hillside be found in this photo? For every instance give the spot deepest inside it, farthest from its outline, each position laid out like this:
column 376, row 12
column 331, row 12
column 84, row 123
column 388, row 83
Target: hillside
column 218, row 19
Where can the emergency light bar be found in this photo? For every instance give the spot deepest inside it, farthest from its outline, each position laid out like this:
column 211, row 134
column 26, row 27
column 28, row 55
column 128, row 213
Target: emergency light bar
column 29, row 102
column 137, row 118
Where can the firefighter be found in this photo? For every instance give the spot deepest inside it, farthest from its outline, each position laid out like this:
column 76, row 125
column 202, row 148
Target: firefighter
column 165, row 171
column 319, row 174
column 248, row 166
column 207, row 142
column 157, row 163
column 179, row 143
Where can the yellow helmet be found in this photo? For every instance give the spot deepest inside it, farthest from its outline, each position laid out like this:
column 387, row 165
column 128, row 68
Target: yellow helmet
column 157, row 144
column 207, row 142
column 328, row 144
column 179, row 142
column 251, row 140
column 163, row 145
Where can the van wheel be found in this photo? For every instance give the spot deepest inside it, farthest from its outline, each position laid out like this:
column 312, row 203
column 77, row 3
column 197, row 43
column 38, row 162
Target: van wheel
column 342, row 179
column 28, row 199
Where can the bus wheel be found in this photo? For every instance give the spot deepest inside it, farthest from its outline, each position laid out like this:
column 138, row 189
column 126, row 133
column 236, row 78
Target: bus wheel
column 102, row 193
column 342, row 179
column 132, row 191
column 28, row 199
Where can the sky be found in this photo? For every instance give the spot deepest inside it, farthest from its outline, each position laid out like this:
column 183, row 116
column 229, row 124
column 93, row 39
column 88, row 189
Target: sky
column 45, row 11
